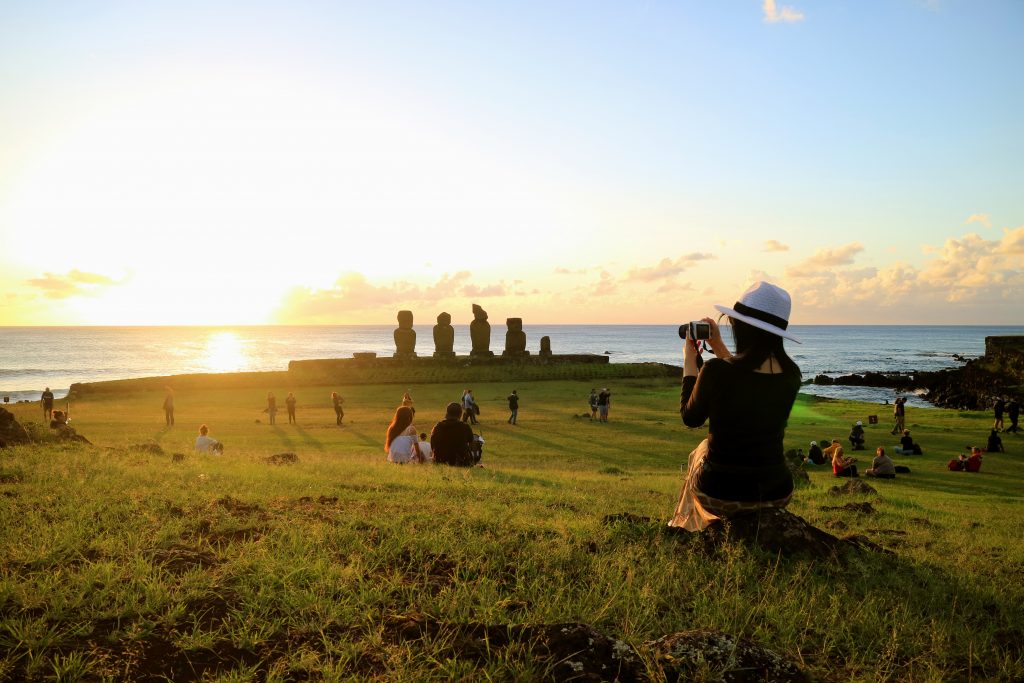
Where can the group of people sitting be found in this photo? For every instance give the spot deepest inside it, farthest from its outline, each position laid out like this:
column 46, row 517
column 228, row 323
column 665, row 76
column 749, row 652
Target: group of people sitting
column 451, row 442
column 843, row 465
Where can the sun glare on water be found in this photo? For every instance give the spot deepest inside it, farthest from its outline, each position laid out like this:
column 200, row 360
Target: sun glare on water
column 224, row 353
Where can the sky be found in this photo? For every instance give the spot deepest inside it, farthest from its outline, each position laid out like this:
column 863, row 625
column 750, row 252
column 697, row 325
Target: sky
column 223, row 163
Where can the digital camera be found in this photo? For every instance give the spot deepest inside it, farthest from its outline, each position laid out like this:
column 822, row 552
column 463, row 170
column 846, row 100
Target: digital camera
column 696, row 330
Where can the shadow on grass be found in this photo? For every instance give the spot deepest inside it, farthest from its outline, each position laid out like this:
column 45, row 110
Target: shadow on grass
column 283, row 437
column 365, row 438
column 309, row 440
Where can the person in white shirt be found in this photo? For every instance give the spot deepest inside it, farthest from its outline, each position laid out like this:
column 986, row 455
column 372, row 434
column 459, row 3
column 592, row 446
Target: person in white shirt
column 402, row 443
column 425, row 450
column 206, row 443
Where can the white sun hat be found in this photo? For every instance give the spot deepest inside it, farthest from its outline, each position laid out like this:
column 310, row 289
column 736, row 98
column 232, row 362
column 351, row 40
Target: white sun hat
column 764, row 306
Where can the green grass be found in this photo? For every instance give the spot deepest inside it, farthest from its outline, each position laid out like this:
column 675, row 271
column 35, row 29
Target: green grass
column 120, row 563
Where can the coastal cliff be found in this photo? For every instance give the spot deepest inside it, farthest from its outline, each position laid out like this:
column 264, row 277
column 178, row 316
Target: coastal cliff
column 975, row 386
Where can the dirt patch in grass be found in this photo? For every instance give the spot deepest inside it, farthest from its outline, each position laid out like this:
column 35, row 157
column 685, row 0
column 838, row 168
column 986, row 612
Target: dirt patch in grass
column 573, row 651
column 281, row 459
column 11, row 478
column 179, row 559
column 237, row 507
column 862, row 508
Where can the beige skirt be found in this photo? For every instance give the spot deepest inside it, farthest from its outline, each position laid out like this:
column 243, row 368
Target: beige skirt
column 697, row 510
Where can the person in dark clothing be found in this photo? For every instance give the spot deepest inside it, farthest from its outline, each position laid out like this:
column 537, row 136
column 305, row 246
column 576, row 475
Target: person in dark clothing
column 47, row 401
column 1013, row 412
column 998, row 409
column 907, row 445
column 513, row 407
column 450, row 439
column 593, row 403
column 339, row 412
column 995, row 443
column 746, row 399
column 604, row 402
column 289, row 403
column 815, row 454
column 857, row 436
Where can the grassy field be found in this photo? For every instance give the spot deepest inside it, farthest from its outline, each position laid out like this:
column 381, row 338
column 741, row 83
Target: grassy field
column 118, row 562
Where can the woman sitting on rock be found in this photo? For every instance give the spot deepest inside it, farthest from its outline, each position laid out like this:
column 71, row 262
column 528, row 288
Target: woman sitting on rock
column 842, row 466
column 746, row 398
column 401, row 441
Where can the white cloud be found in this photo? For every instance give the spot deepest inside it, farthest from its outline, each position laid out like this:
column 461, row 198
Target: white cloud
column 774, row 245
column 73, row 283
column 979, row 218
column 774, row 14
column 666, row 268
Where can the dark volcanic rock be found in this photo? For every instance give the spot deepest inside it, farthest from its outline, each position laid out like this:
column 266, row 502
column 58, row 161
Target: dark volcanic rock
column 11, row 431
column 718, row 656
column 777, row 531
column 282, row 459
column 855, row 486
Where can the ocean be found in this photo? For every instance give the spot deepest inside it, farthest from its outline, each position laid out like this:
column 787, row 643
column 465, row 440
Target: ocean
column 32, row 358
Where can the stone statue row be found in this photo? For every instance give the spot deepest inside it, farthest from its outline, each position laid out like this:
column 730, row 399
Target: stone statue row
column 479, row 332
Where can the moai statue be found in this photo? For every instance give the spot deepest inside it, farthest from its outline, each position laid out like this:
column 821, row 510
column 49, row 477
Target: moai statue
column 545, row 346
column 444, row 337
column 480, row 333
column 515, row 339
column 405, row 336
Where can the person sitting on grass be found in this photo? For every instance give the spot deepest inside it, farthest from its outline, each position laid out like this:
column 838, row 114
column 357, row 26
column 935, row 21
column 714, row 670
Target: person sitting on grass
column 857, row 436
column 843, row 466
column 882, row 466
column 815, row 456
column 973, row 463
column 206, row 443
column 831, row 449
column 995, row 443
column 746, row 399
column 401, row 442
column 425, row 449
column 450, row 439
column 907, row 445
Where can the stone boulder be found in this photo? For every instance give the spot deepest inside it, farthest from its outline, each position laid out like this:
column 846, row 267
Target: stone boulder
column 717, row 656
column 11, row 431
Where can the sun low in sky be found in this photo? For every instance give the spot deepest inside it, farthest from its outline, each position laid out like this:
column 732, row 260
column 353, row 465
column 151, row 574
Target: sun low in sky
column 326, row 162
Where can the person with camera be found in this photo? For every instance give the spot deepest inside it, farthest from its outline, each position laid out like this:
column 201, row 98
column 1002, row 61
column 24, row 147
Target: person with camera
column 746, row 399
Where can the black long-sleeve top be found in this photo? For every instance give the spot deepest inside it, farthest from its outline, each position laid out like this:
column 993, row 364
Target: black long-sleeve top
column 748, row 413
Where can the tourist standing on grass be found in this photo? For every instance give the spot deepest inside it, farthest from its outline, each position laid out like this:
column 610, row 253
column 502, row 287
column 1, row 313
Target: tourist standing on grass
column 169, row 407
column 604, row 402
column 593, row 404
column 336, row 402
column 882, row 466
column 513, row 407
column 899, row 415
column 998, row 409
column 1013, row 411
column 289, row 403
column 206, row 443
column 450, row 439
column 746, row 399
column 401, row 441
column 469, row 407
column 272, row 407
column 46, row 400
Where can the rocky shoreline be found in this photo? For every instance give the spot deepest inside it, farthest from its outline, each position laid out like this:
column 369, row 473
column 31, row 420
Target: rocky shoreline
column 974, row 386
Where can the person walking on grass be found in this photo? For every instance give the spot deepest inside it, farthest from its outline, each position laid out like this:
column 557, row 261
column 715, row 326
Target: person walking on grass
column 272, row 407
column 47, row 402
column 513, row 407
column 998, row 409
column 469, row 407
column 289, row 403
column 169, row 407
column 339, row 412
column 1013, row 411
column 593, row 404
column 604, row 402
column 899, row 415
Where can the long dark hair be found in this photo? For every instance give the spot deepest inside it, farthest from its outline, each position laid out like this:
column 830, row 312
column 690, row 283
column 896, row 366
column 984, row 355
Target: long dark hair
column 754, row 346
column 402, row 419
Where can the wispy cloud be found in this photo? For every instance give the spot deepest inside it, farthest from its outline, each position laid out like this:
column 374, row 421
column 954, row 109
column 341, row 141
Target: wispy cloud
column 775, row 245
column 73, row 283
column 773, row 14
column 825, row 259
column 979, row 218
column 666, row 268
column 353, row 293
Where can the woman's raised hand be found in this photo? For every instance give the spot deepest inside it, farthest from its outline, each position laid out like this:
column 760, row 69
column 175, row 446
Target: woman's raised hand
column 718, row 346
